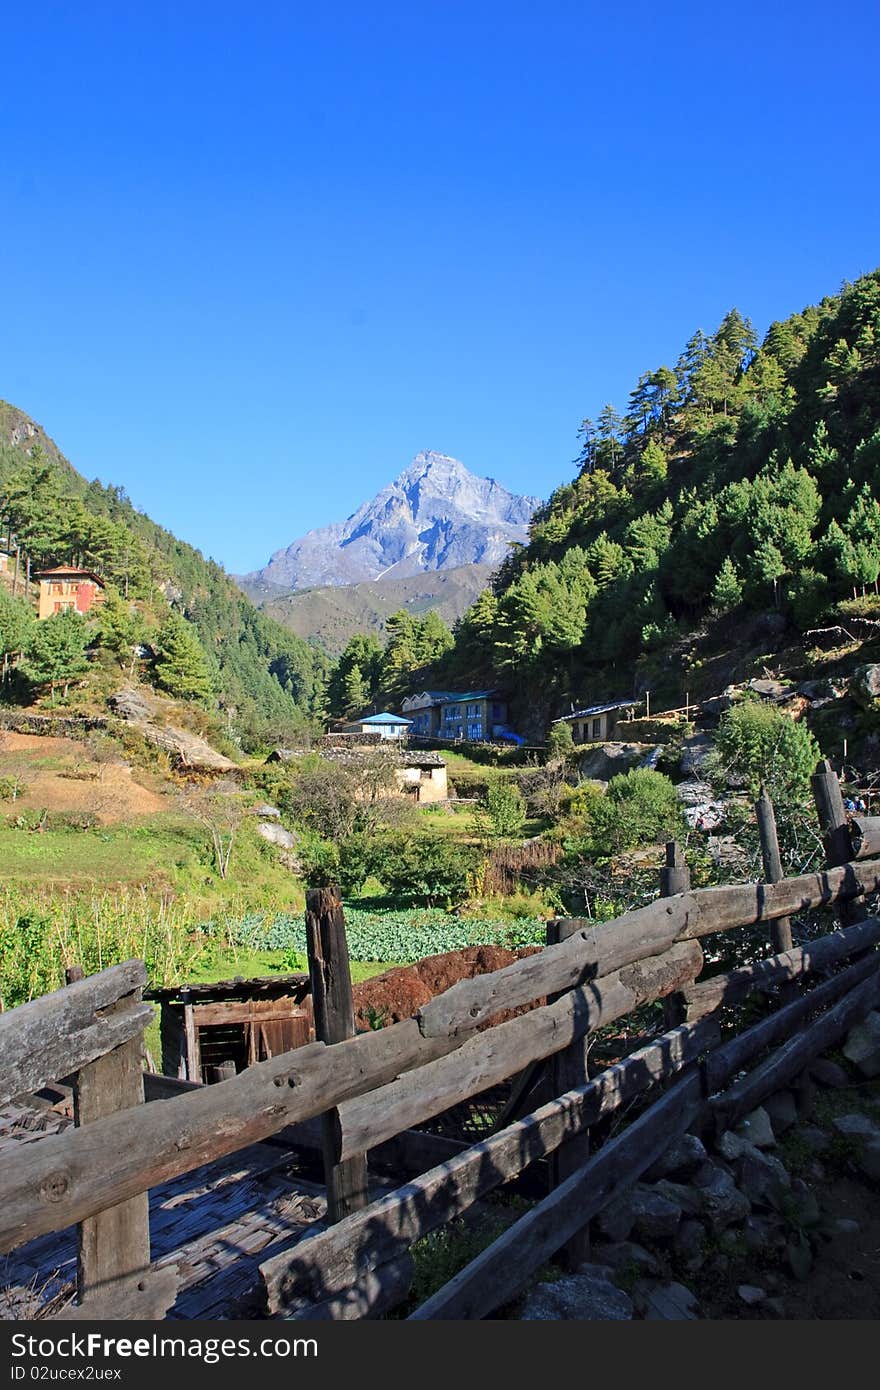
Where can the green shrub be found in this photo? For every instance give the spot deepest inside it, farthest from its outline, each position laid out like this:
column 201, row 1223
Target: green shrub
column 505, row 809
column 426, row 868
column 760, row 744
column 640, row 807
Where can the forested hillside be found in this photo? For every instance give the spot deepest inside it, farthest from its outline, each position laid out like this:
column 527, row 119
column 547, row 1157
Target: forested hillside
column 268, row 682
column 744, row 477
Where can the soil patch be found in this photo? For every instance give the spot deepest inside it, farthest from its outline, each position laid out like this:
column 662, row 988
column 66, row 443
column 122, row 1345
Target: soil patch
column 60, row 775
column 399, row 993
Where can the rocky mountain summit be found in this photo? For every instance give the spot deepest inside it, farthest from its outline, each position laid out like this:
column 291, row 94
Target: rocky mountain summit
column 436, row 515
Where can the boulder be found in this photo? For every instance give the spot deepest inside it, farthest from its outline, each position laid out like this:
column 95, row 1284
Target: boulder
column 820, row 692
column 695, row 753
column 751, row 1294
column 666, row 1302
column 862, row 1046
column 654, row 1216
column 615, row 1221
column 681, row 1159
column 587, row 1296
column 864, row 685
column 715, row 706
column 828, row 1073
column 771, row 689
column 732, row 1146
column 682, row 1195
column 856, row 1126
column 689, row 1243
column 606, row 760
column 721, row 1201
column 702, row 809
column 276, row 835
column 266, row 812
column 781, row 1109
column 756, row 1129
column 814, row 1138
column 625, row 1255
column 760, row 1176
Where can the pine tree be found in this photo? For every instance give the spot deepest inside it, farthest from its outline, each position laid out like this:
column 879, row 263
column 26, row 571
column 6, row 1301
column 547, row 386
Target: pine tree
column 181, row 666
column 56, row 650
column 728, row 589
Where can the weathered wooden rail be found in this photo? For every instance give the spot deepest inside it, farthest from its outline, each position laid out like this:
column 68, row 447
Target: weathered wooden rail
column 364, row 1091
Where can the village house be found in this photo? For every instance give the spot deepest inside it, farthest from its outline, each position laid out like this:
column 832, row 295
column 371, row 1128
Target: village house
column 598, row 723
column 385, row 726
column 68, row 587
column 423, row 775
column 474, row 716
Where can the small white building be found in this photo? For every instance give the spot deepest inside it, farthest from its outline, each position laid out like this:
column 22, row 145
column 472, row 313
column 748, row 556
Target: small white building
column 386, row 725
column 598, row 723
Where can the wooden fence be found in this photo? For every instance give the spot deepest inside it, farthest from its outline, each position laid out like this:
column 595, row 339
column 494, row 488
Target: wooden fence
column 369, row 1088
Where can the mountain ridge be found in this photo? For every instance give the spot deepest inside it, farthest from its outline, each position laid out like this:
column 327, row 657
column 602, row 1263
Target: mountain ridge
column 435, row 515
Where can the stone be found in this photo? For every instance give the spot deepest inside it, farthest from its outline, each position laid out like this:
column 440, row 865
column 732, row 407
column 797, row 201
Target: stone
column 665, row 1302
column 276, row 835
column 615, row 1221
column 803, row 1204
column 862, row 1046
column 731, row 1146
column 868, row 1159
column 681, row 1159
column 626, row 1255
column 845, row 1226
column 757, row 1129
column 763, row 1232
column 864, row 685
column 855, row 1126
column 267, row 812
column 781, row 1109
column 814, row 1138
column 799, row 1257
column 819, row 692
column 654, row 1216
column 695, row 753
column 604, row 761
column 721, row 1202
column 690, row 1240
column 830, row 1074
column 751, row 1294
column 685, row 1197
column 587, row 1296
column 702, row 809
column 761, row 1176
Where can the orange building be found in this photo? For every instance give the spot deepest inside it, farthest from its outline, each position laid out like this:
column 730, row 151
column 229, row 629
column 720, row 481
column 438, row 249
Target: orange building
column 66, row 587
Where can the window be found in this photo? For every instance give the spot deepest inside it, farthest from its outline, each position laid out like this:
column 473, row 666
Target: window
column 597, row 728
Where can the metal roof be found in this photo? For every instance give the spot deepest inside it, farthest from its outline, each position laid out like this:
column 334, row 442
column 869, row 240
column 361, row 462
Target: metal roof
column 385, row 718
column 597, row 709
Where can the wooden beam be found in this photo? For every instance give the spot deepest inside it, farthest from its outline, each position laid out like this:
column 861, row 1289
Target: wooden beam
column 338, row 1257
column 500, row 1271
column 834, row 825
column 780, row 930
column 136, row 1297
column 491, row 1057
column 865, row 836
column 601, row 948
column 569, row 1070
column 333, row 1004
column 60, row 1032
column 704, row 996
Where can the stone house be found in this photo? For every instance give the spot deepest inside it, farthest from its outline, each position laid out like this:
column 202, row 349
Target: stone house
column 68, row 587
column 473, row 716
column 599, row 723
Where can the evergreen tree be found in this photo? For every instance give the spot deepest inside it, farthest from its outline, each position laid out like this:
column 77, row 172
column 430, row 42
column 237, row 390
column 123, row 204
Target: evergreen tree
column 56, row 650
column 181, row 666
column 728, row 589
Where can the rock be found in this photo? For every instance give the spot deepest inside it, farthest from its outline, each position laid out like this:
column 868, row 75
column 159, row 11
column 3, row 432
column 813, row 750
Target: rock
column 690, row 1239
column 868, row 1159
column 587, row 1296
column 799, row 1257
column 820, row 692
column 266, row 812
column 761, row 1176
column 856, row 1126
column 702, row 809
column 666, row 1302
column 762, row 1233
column 829, row 1074
column 603, row 762
column 771, row 689
column 615, row 1221
column 803, row 1205
column 862, row 1046
column 751, row 1294
column 276, row 835
column 864, row 685
column 756, row 1129
column 654, row 1216
column 695, row 753
column 715, row 706
column 625, row 1255
column 681, row 1159
column 721, row 1202
column 731, row 1146
column 685, row 1197
column 781, row 1109
column 845, row 1226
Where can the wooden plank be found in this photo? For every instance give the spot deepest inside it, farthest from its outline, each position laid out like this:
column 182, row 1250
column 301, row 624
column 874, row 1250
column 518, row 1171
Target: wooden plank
column 601, row 948
column 116, row 1242
column 675, row 877
column 333, row 1005
column 789, row 1060
column 144, row 1296
column 375, row 1292
column 246, row 1011
column 491, row 1057
column 569, row 1070
column 60, row 1032
column 732, row 1055
column 338, row 1257
column 500, row 1271
column 780, row 930
column 835, row 831
column 191, row 1033
column 705, row 995
column 70, row 1176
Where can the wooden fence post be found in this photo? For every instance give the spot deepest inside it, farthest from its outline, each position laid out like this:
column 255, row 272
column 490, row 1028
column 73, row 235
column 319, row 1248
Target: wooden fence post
column 835, row 833
column 675, row 877
column 333, row 1004
column 116, row 1242
column 569, row 1070
column 780, row 930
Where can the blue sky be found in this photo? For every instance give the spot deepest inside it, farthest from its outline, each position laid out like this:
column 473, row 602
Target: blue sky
column 255, row 257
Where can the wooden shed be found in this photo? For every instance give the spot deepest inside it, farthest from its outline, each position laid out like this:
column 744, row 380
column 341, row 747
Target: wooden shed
column 211, row 1031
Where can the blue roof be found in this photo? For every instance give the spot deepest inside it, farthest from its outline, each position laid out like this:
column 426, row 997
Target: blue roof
column 385, row 718
column 452, row 699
